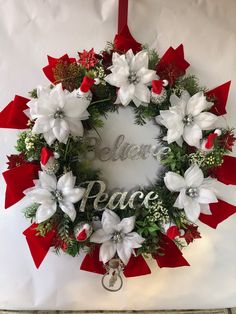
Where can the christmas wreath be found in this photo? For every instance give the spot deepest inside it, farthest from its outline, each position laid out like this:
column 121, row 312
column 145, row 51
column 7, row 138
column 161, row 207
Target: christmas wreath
column 71, row 209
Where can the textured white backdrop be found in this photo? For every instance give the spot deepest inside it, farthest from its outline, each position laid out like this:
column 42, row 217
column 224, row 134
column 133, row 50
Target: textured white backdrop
column 29, row 30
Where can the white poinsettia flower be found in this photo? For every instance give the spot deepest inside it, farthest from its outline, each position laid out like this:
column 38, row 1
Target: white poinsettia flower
column 58, row 113
column 50, row 194
column 131, row 75
column 186, row 118
column 116, row 237
column 195, row 191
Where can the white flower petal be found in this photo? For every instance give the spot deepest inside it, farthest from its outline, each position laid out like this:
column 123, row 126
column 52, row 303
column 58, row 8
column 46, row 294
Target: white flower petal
column 146, row 75
column 47, row 181
column 134, row 240
column 126, row 94
column 42, row 125
column 107, row 251
column 45, row 211
column 174, row 181
column 76, row 126
column 206, row 196
column 61, row 130
column 73, row 195
column 117, row 79
column 179, row 203
column 66, row 182
column 205, row 120
column 192, row 135
column 100, row 236
column 193, row 176
column 49, row 137
column 39, row 195
column 191, row 208
column 142, row 92
column 75, row 107
column 140, row 60
column 174, row 100
column 124, row 251
column 126, row 225
column 185, row 96
column 205, row 209
column 196, row 104
column 109, row 221
column 175, row 134
column 68, row 208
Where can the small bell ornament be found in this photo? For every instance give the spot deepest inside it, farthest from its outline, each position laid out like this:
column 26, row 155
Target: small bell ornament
column 83, row 231
column 48, row 161
column 84, row 91
column 158, row 92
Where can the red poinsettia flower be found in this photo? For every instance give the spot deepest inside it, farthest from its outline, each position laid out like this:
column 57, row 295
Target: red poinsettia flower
column 49, row 70
column 191, row 233
column 87, row 59
column 227, row 140
column 219, row 96
column 172, row 65
column 16, row 160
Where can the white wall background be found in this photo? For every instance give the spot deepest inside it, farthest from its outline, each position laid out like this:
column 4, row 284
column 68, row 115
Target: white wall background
column 29, row 30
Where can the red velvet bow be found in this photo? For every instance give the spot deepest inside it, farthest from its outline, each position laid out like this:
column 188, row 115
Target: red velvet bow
column 125, row 41
column 38, row 245
column 172, row 64
column 12, row 116
column 170, row 256
column 46, row 153
column 226, row 173
column 220, row 211
column 220, row 96
column 52, row 62
column 136, row 266
column 19, row 179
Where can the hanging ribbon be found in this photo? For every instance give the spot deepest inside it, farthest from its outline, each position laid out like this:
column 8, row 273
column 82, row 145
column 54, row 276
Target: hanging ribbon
column 124, row 41
column 122, row 15
column 226, row 173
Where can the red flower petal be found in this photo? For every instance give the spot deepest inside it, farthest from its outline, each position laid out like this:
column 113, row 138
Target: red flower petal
column 12, row 116
column 220, row 96
column 220, row 211
column 172, row 64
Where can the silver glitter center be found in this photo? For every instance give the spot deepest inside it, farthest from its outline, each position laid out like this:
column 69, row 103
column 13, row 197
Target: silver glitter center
column 188, row 120
column 59, row 114
column 117, row 237
column 133, row 78
column 57, row 195
column 192, row 192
